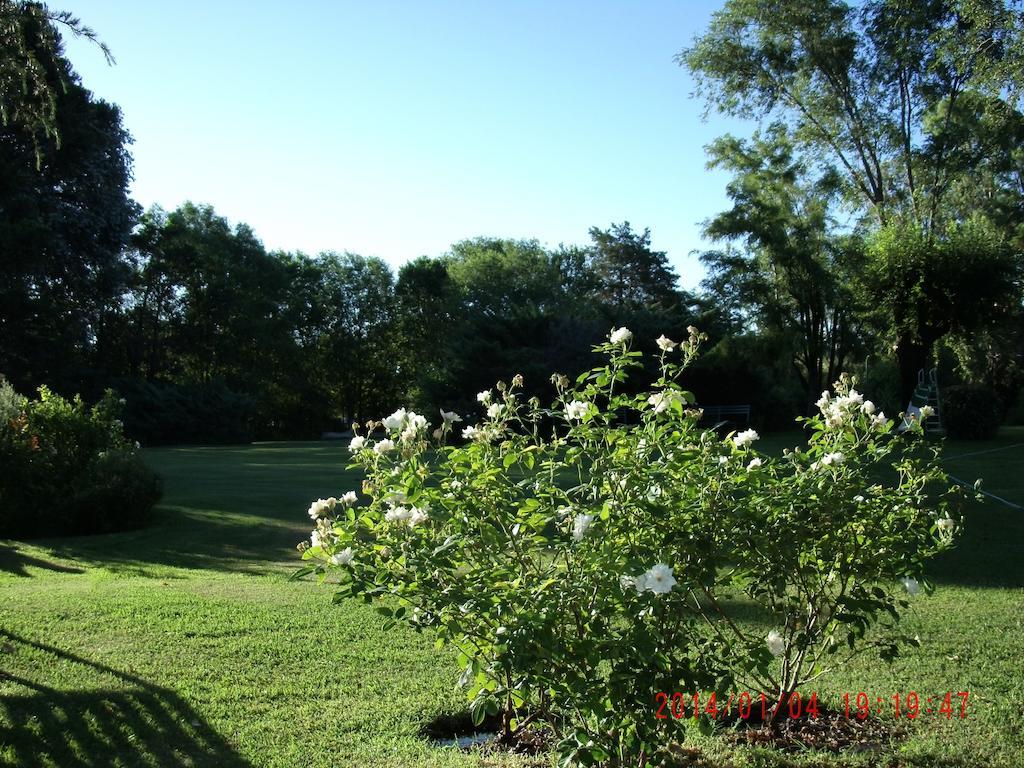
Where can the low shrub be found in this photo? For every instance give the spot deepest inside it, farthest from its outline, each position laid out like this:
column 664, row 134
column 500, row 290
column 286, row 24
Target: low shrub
column 970, row 412
column 68, row 468
column 583, row 569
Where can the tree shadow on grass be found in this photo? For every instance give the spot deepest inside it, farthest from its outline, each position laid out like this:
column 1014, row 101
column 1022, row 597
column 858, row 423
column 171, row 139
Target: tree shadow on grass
column 187, row 538
column 17, row 562
column 137, row 723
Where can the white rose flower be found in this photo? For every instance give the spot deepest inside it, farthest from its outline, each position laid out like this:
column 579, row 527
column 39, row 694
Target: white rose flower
column 450, row 417
column 493, row 410
column 639, row 583
column 319, row 508
column 383, row 447
column 580, row 526
column 484, row 397
column 909, row 584
column 417, row 515
column 868, row 407
column 723, row 459
column 576, row 410
column 823, row 401
column 395, row 420
column 314, row 538
column 344, row 557
column 832, row 458
column 946, row 524
column 659, row 579
column 349, row 498
column 397, row 515
column 745, row 438
column 661, row 401
column 471, row 433
column 775, row 643
column 755, row 463
column 357, row 443
column 665, row 343
column 620, row 335
column 927, row 412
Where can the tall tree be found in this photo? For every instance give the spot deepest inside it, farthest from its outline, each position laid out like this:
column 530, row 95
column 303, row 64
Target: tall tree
column 628, row 273
column 792, row 276
column 65, row 217
column 871, row 91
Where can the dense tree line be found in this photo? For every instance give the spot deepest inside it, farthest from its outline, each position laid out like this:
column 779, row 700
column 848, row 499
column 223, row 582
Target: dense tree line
column 875, row 215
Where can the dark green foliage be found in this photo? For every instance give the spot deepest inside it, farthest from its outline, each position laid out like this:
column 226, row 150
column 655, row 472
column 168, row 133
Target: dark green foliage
column 65, row 217
column 161, row 412
column 68, row 469
column 118, row 493
column 922, row 287
column 970, row 412
column 33, row 71
column 754, row 370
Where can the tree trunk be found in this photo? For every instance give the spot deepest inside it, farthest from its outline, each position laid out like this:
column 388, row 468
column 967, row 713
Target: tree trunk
column 911, row 356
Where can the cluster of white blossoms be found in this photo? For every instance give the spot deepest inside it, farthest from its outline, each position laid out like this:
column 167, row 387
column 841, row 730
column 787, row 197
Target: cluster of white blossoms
column 324, row 507
column 775, row 643
column 838, row 410
column 408, row 425
column 479, row 434
column 833, row 459
column 657, row 579
column 745, row 438
column 411, row 516
column 580, row 525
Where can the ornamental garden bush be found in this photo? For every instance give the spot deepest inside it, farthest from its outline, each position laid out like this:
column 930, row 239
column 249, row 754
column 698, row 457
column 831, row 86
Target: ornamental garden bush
column 68, row 468
column 971, row 412
column 581, row 568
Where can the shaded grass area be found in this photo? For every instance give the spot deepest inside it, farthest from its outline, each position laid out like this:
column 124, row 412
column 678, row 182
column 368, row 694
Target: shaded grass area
column 184, row 644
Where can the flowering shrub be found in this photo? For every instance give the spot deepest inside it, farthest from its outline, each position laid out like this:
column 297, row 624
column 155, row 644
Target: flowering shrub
column 68, row 468
column 583, row 557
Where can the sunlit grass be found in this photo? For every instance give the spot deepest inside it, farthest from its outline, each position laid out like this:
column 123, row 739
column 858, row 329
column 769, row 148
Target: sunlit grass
column 184, row 643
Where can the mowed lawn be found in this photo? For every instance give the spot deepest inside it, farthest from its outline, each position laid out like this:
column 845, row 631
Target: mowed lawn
column 184, row 643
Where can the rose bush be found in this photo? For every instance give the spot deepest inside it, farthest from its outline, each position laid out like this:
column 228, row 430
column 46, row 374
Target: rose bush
column 585, row 556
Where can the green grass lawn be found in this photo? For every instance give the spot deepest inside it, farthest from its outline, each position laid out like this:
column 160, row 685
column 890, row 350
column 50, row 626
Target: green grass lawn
column 184, row 643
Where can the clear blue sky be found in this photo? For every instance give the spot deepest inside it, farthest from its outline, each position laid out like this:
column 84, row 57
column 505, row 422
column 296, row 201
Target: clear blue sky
column 397, row 128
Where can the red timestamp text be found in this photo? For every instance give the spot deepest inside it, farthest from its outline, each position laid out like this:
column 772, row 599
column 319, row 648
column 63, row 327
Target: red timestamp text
column 762, row 706
column 951, row 704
